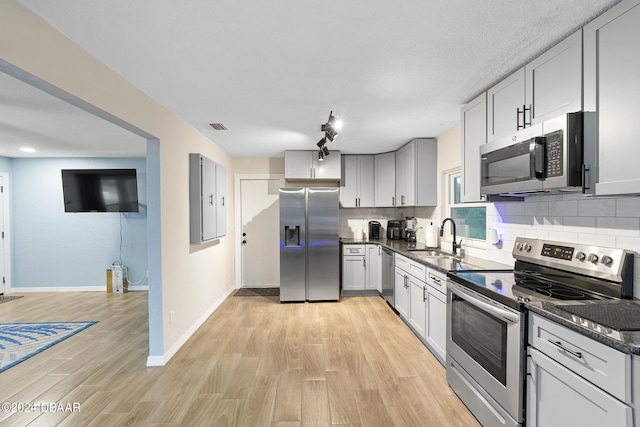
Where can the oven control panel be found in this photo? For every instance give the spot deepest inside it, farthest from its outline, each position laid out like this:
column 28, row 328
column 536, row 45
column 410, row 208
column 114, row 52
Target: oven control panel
column 556, row 251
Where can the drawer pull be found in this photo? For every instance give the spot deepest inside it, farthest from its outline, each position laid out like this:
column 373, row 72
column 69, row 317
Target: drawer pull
column 563, row 348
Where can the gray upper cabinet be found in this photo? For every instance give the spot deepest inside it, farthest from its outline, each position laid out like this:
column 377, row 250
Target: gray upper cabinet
column 385, row 180
column 504, row 104
column 554, row 81
column 416, row 173
column 357, row 190
column 207, row 199
column 473, row 119
column 303, row 165
column 545, row 88
column 612, row 88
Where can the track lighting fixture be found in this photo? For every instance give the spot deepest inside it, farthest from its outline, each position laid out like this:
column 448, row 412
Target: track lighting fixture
column 331, row 128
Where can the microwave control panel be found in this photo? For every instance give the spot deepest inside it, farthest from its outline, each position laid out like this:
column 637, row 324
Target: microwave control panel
column 555, row 158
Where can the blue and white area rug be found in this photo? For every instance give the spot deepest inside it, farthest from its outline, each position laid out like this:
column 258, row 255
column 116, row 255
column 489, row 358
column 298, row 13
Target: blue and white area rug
column 20, row 341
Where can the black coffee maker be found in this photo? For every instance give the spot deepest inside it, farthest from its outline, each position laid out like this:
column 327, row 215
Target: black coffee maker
column 374, row 229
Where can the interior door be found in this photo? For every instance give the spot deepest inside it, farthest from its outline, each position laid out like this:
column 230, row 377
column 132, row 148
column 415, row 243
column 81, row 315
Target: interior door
column 260, row 232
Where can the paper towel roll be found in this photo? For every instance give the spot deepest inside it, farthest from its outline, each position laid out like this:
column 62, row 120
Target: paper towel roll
column 431, row 236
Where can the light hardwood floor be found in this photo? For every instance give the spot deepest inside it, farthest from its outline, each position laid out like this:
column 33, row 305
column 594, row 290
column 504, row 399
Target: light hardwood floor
column 255, row 362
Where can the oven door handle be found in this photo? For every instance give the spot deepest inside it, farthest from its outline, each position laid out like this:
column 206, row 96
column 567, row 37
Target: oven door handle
column 489, row 308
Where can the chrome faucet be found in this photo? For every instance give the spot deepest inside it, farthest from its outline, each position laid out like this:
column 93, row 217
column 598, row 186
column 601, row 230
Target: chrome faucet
column 453, row 229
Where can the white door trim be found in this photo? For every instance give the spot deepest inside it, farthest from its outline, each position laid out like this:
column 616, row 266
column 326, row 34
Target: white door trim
column 237, row 233
column 6, row 227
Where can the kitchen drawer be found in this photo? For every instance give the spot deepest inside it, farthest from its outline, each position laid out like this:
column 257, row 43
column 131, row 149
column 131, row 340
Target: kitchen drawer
column 348, row 250
column 596, row 362
column 417, row 270
column 437, row 280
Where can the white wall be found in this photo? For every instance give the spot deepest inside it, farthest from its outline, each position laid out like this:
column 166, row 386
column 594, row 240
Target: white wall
column 190, row 280
column 54, row 249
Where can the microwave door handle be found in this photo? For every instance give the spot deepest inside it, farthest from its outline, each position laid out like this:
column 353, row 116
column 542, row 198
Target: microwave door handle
column 540, row 157
column 489, row 308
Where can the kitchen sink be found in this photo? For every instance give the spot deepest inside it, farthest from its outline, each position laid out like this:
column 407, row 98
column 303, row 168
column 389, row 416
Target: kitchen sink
column 431, row 253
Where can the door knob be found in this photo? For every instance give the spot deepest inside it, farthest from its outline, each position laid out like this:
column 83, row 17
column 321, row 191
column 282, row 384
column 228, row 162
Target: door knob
column 244, row 241
column 244, row 234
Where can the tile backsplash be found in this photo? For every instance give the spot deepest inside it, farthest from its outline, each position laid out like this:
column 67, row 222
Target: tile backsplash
column 354, row 222
column 571, row 218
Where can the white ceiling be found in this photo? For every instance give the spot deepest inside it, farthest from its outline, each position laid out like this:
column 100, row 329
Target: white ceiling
column 272, row 70
column 32, row 118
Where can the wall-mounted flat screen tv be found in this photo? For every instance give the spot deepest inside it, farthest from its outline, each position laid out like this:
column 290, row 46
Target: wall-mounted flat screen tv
column 100, row 190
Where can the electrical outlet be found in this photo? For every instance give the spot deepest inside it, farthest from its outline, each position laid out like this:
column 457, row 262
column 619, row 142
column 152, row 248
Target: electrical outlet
column 172, row 317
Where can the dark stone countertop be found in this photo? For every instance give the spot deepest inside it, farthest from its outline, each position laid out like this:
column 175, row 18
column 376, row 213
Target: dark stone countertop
column 444, row 265
column 625, row 341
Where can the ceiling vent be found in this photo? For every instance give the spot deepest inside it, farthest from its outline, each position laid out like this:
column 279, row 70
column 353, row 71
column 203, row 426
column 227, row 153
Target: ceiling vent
column 218, row 126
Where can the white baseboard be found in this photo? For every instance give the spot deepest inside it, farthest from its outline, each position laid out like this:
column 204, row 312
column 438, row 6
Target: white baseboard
column 162, row 360
column 101, row 288
column 138, row 288
column 59, row 289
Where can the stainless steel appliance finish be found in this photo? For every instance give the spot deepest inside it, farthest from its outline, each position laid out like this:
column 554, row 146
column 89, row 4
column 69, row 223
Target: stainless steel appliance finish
column 396, row 229
column 388, row 278
column 556, row 155
column 485, row 343
column 375, row 229
column 309, row 246
column 485, row 355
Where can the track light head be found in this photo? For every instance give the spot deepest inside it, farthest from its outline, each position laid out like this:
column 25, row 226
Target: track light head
column 325, row 150
column 320, row 156
column 321, row 143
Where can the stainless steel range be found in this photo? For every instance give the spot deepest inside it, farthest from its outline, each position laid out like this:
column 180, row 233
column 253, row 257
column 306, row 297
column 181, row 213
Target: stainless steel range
column 486, row 328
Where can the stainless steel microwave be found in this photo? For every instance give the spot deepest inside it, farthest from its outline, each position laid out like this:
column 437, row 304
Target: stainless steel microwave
column 554, row 156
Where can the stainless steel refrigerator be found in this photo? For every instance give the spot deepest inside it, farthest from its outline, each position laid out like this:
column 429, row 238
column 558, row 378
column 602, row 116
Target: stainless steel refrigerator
column 309, row 247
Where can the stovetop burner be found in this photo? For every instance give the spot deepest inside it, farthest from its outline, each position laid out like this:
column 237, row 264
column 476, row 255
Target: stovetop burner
column 554, row 290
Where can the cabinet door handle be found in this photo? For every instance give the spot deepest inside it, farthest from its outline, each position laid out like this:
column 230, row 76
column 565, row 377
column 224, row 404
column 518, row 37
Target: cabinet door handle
column 563, row 348
column 393, row 200
column 524, row 120
column 211, row 199
column 222, row 200
column 585, row 169
column 424, row 297
column 519, row 126
column 364, row 262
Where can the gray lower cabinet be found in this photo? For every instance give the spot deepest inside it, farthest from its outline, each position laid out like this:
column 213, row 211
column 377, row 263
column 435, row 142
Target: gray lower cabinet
column 436, row 326
column 362, row 268
column 574, row 380
column 374, row 267
column 402, row 293
column 418, row 306
column 354, row 267
column 207, row 199
column 611, row 70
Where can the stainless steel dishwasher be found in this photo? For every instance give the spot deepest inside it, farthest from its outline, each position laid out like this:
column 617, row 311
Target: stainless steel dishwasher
column 388, row 276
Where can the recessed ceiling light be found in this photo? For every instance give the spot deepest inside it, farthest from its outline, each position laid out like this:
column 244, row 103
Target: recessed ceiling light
column 28, row 149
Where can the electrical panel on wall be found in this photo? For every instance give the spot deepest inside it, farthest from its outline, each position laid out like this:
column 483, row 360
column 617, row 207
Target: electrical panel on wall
column 207, row 199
